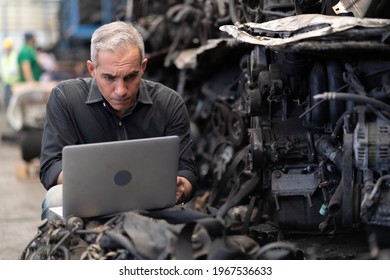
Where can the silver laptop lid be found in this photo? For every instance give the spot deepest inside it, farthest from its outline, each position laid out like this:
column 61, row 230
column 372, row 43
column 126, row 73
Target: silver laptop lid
column 111, row 177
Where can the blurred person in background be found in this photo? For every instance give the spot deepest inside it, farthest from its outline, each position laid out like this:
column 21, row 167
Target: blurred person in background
column 26, row 110
column 9, row 69
column 48, row 63
column 29, row 68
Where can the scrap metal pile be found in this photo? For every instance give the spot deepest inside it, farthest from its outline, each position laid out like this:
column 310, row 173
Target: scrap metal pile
column 290, row 109
column 295, row 92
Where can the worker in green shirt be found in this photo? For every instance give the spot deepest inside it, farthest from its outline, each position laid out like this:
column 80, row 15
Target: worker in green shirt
column 29, row 68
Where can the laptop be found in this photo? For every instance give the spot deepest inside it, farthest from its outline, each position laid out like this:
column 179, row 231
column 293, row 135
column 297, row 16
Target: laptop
column 107, row 178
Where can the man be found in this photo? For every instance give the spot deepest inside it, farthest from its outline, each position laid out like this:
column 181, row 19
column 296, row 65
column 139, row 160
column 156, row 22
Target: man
column 9, row 69
column 115, row 104
column 29, row 68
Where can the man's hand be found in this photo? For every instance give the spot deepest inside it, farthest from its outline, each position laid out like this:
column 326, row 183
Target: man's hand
column 183, row 190
column 59, row 179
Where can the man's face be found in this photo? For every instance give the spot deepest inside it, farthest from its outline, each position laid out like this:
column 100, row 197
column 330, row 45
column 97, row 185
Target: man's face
column 32, row 41
column 118, row 76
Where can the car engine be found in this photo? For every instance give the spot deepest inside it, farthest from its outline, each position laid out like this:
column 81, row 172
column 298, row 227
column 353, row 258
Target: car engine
column 290, row 106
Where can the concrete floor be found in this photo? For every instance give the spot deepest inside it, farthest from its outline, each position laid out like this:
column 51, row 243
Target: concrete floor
column 20, row 200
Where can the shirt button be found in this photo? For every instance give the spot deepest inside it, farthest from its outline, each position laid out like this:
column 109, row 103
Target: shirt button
column 104, row 104
column 120, row 123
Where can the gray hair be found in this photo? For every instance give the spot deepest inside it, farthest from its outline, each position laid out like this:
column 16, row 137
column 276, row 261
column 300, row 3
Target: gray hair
column 114, row 36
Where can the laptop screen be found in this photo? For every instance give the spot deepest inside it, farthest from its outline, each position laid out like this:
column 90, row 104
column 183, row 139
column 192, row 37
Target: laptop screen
column 111, row 177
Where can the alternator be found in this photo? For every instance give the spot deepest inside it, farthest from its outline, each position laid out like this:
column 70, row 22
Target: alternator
column 371, row 144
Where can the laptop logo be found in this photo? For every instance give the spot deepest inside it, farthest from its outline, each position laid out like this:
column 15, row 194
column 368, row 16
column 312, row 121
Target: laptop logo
column 122, row 178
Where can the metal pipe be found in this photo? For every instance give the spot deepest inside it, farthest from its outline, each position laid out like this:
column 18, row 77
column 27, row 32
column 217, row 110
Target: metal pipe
column 353, row 97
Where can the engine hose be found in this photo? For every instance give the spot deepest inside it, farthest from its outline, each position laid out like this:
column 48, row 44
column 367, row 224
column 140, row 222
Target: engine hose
column 289, row 249
column 335, row 82
column 125, row 243
column 335, row 201
column 340, row 122
column 62, row 240
column 378, row 183
column 237, row 194
column 353, row 97
column 325, row 146
column 24, row 253
column 318, row 84
column 65, row 252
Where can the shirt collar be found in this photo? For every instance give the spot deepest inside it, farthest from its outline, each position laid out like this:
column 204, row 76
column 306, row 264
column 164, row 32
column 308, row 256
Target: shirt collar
column 95, row 95
column 144, row 96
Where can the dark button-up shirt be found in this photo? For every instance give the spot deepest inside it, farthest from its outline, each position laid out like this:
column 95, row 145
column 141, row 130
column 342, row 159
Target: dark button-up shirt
column 77, row 113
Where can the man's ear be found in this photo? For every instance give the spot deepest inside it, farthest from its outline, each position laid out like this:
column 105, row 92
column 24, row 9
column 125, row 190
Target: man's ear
column 143, row 65
column 91, row 68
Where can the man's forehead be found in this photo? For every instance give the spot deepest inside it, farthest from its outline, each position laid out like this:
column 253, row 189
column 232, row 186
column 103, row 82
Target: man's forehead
column 118, row 73
column 129, row 51
column 113, row 63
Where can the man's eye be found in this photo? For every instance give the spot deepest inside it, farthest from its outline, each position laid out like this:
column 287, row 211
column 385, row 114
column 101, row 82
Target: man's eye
column 130, row 77
column 109, row 78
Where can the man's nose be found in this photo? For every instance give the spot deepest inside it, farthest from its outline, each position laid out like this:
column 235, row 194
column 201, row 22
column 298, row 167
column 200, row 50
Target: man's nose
column 120, row 88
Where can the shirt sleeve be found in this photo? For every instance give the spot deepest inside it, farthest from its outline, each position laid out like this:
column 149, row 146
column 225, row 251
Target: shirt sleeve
column 58, row 132
column 179, row 124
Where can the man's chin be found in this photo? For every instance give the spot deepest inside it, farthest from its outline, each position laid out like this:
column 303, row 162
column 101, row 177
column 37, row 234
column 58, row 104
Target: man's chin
column 119, row 106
